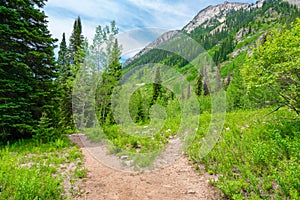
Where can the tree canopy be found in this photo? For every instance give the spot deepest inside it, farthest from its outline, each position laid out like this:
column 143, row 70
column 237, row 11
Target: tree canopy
column 26, row 66
column 275, row 66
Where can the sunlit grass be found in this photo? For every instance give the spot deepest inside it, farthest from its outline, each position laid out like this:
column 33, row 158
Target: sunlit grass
column 33, row 170
column 257, row 156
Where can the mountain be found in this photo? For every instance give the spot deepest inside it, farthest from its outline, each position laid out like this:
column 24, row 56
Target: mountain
column 217, row 12
column 203, row 17
column 160, row 40
column 226, row 31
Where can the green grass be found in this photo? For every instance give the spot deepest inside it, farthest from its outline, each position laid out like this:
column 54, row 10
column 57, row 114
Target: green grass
column 234, row 64
column 257, row 156
column 33, row 170
column 142, row 144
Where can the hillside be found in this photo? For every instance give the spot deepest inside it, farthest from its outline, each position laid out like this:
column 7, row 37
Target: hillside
column 224, row 30
column 211, row 111
column 236, row 58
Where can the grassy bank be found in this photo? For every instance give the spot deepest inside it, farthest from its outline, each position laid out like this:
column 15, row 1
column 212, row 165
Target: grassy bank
column 257, row 156
column 31, row 170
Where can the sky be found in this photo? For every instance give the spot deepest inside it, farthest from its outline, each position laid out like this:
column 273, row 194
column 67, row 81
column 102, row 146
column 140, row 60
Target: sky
column 142, row 19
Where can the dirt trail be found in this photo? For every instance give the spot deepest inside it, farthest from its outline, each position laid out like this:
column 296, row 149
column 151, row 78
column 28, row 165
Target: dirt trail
column 177, row 181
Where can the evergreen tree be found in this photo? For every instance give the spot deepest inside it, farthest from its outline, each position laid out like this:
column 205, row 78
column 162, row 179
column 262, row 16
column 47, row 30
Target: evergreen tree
column 199, row 84
column 157, row 90
column 138, row 108
column 63, row 52
column 27, row 67
column 69, row 60
column 205, row 83
column 111, row 76
column 76, row 40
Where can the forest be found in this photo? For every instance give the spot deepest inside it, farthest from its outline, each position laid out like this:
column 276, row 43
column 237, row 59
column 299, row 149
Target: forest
column 236, row 109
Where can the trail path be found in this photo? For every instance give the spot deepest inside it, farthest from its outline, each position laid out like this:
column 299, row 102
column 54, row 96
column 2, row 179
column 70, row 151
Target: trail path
column 178, row 181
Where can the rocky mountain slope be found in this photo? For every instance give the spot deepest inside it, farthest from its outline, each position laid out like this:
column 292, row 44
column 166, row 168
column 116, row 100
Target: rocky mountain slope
column 217, row 12
column 203, row 18
column 160, row 40
column 226, row 30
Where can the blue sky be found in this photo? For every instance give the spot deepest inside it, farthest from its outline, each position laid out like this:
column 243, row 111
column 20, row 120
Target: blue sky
column 158, row 15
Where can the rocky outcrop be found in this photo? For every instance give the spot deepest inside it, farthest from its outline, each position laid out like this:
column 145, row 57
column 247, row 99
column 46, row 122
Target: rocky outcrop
column 294, row 2
column 218, row 12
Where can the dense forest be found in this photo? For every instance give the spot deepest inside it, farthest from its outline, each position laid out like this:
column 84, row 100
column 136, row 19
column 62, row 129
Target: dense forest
column 237, row 86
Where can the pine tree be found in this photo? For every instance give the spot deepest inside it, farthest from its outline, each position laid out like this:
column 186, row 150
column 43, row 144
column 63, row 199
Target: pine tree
column 27, row 67
column 139, row 115
column 112, row 70
column 205, row 83
column 63, row 52
column 69, row 60
column 76, row 40
column 199, row 84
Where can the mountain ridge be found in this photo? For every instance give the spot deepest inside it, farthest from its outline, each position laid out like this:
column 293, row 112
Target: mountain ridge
column 226, row 6
column 211, row 12
column 216, row 22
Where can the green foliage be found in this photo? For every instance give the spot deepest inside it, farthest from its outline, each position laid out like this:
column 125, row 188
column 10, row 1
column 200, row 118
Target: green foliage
column 274, row 66
column 199, row 84
column 45, row 131
column 31, row 170
column 27, row 67
column 257, row 155
column 69, row 60
column 76, row 40
column 62, row 60
column 138, row 107
column 112, row 71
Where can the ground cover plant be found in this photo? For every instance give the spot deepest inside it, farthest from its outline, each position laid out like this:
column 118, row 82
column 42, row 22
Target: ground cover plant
column 33, row 170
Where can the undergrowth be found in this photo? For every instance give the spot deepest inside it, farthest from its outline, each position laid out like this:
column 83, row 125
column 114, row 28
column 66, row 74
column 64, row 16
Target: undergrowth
column 34, row 170
column 257, row 155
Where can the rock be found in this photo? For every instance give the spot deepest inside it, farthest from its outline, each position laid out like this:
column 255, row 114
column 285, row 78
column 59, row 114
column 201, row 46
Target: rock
column 190, row 192
column 124, row 157
column 128, row 163
column 218, row 11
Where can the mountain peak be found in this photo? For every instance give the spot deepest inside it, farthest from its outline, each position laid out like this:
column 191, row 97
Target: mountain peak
column 210, row 12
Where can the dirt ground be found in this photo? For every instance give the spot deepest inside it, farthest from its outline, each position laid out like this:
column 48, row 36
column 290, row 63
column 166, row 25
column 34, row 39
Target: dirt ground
column 176, row 181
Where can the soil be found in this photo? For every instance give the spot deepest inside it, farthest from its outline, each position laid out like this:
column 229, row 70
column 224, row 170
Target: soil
column 178, row 180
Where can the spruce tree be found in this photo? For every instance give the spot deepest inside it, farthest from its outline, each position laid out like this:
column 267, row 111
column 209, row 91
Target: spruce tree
column 206, row 90
column 63, row 52
column 69, row 60
column 27, row 67
column 199, row 84
column 76, row 40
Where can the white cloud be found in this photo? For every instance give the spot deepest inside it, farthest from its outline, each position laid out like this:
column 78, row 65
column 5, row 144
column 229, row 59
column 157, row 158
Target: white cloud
column 129, row 15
